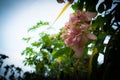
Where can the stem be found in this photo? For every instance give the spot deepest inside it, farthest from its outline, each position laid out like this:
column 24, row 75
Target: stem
column 75, row 68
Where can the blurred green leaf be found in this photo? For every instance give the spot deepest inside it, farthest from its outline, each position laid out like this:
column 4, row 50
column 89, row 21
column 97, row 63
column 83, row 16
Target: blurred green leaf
column 27, row 39
column 28, row 51
column 38, row 24
column 98, row 23
column 78, row 5
column 36, row 44
column 60, row 52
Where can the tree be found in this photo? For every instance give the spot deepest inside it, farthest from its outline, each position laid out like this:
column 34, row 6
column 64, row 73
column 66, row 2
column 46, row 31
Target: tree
column 54, row 59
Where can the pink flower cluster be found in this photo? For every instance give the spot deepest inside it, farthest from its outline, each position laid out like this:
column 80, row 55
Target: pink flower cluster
column 76, row 32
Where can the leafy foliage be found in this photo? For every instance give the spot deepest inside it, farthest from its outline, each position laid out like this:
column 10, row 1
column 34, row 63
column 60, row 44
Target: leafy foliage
column 9, row 71
column 38, row 24
column 52, row 59
column 90, row 5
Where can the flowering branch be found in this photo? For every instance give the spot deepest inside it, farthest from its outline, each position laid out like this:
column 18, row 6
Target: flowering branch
column 76, row 32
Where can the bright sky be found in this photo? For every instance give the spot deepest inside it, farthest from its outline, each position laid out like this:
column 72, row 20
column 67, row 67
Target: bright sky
column 17, row 16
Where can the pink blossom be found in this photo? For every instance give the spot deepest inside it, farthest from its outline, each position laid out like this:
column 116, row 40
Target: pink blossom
column 81, row 16
column 77, row 34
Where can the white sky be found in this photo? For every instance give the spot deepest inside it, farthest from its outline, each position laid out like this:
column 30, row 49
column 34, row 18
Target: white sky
column 21, row 16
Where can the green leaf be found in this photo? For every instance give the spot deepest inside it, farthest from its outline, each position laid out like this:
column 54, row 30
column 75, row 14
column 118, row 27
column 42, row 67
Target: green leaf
column 60, row 52
column 38, row 24
column 45, row 53
column 100, row 20
column 28, row 51
column 27, row 39
column 45, row 40
column 78, row 5
column 58, row 43
column 36, row 44
column 91, row 5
